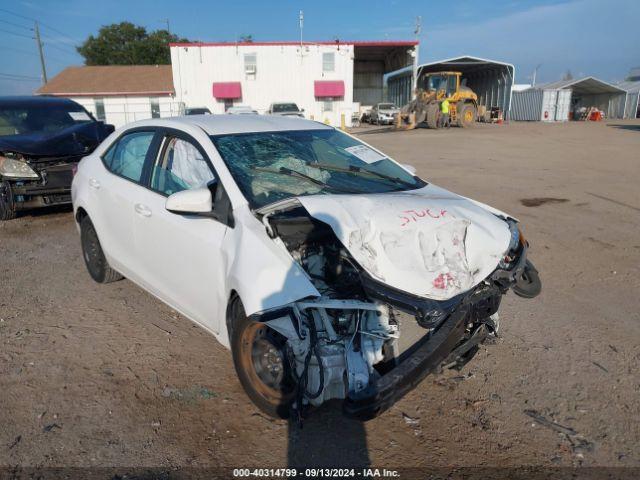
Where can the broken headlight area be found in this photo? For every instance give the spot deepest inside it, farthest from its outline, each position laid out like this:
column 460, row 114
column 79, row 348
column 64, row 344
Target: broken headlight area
column 364, row 341
column 15, row 166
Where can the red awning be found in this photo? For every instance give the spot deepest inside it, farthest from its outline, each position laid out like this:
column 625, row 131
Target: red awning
column 328, row 88
column 227, row 90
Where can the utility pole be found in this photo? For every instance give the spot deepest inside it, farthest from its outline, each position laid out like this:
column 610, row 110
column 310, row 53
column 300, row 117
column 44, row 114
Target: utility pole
column 168, row 26
column 416, row 52
column 535, row 74
column 39, row 42
column 301, row 18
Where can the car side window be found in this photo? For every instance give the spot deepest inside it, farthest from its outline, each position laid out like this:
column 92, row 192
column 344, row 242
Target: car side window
column 181, row 166
column 126, row 156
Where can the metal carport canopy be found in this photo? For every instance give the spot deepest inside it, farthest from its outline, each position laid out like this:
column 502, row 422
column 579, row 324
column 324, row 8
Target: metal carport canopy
column 468, row 65
column 491, row 80
column 584, row 86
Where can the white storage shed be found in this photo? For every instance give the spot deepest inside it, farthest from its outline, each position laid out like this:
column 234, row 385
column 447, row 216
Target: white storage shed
column 538, row 104
column 592, row 92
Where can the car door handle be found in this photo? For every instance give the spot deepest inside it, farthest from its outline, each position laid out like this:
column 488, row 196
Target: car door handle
column 93, row 183
column 142, row 210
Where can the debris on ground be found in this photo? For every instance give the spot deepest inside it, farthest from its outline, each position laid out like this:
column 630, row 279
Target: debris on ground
column 577, row 443
column 189, row 395
column 545, row 422
column 600, row 367
column 50, row 427
column 410, row 420
column 15, row 442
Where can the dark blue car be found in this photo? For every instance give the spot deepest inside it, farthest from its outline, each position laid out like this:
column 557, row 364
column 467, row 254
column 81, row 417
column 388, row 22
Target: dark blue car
column 41, row 141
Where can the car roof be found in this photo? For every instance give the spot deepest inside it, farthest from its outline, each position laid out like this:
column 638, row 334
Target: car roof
column 24, row 100
column 230, row 124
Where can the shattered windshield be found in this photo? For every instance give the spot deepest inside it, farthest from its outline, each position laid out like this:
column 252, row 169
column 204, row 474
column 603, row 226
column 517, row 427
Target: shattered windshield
column 272, row 166
column 38, row 119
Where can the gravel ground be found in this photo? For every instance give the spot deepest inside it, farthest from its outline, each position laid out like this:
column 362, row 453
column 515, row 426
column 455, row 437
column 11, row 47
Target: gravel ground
column 106, row 375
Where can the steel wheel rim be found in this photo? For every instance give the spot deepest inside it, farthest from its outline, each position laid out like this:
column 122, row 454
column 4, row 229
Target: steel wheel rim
column 259, row 354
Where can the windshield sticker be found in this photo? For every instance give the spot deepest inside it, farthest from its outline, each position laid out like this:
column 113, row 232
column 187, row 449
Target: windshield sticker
column 365, row 153
column 78, row 116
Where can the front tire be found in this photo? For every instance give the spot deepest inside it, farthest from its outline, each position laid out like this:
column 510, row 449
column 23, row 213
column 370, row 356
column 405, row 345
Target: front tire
column 261, row 362
column 93, row 255
column 467, row 115
column 7, row 204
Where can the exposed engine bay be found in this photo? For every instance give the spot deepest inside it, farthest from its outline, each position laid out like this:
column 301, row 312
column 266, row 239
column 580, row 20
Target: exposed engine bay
column 342, row 345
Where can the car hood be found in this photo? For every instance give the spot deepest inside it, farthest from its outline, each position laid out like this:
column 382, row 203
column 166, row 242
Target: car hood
column 388, row 112
column 428, row 242
column 79, row 139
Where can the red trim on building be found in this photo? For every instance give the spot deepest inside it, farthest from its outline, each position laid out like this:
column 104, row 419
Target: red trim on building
column 227, row 90
column 108, row 94
column 385, row 43
column 328, row 88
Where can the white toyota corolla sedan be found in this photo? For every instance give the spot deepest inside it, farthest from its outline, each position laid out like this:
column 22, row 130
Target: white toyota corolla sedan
column 309, row 253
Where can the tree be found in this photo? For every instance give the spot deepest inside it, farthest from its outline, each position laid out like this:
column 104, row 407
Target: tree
column 246, row 38
column 128, row 44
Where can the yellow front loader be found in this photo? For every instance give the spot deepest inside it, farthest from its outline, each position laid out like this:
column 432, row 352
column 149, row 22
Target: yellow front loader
column 433, row 89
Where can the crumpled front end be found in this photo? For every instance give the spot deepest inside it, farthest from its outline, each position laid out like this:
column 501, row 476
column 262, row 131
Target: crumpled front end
column 397, row 302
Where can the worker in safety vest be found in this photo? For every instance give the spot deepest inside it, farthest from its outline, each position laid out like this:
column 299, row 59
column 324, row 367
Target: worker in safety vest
column 444, row 113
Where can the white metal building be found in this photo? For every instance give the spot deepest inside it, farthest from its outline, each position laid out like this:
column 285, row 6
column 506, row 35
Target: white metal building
column 632, row 103
column 538, row 104
column 118, row 94
column 329, row 80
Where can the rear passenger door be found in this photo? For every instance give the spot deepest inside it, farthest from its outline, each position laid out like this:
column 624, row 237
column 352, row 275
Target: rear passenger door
column 116, row 192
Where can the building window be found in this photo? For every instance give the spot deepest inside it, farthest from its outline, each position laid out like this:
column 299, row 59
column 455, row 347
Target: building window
column 228, row 103
column 155, row 107
column 99, row 104
column 328, row 62
column 327, row 105
column 250, row 65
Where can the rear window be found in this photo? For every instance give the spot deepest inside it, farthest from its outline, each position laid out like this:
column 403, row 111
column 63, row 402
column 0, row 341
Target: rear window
column 285, row 107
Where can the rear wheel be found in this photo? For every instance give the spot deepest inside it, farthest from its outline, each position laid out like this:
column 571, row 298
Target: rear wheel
column 433, row 112
column 93, row 255
column 7, row 205
column 467, row 115
column 261, row 363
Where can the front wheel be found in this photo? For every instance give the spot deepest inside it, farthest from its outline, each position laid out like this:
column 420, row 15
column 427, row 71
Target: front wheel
column 7, row 205
column 260, row 360
column 467, row 115
column 93, row 255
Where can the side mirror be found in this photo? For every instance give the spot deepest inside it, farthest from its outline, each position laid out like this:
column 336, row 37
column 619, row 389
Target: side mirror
column 194, row 201
column 411, row 168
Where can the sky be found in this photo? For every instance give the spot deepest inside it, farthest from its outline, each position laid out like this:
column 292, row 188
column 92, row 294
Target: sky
column 586, row 37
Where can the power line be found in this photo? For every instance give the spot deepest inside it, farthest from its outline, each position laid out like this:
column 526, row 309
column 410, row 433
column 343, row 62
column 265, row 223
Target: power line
column 15, row 24
column 23, row 77
column 16, row 14
column 16, row 34
column 9, row 79
column 53, row 29
column 59, row 48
